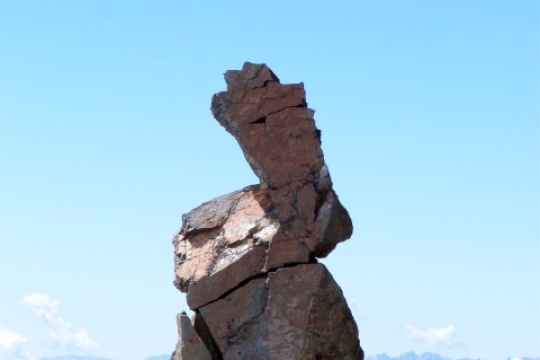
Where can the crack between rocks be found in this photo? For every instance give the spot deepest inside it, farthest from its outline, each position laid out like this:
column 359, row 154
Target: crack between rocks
column 257, row 276
column 290, row 182
column 262, row 119
column 202, row 329
column 265, row 83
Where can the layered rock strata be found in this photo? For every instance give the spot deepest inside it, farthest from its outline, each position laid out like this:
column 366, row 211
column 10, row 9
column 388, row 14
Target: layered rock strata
column 247, row 260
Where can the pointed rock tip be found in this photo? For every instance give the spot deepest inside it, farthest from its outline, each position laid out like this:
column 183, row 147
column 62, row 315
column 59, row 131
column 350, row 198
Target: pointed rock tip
column 251, row 76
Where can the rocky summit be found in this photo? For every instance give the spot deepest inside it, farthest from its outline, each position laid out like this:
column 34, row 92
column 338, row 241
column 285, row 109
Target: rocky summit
column 248, row 260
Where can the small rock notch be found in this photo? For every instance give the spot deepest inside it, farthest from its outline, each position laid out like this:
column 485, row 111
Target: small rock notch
column 247, row 260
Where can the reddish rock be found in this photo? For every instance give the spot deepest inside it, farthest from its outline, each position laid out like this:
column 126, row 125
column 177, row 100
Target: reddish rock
column 210, row 288
column 294, row 313
column 247, row 260
column 190, row 346
column 295, row 207
column 277, row 133
column 222, row 243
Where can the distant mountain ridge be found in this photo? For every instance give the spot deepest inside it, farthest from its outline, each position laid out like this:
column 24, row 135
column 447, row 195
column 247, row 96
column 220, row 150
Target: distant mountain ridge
column 75, row 357
column 411, row 355
column 161, row 357
column 90, row 357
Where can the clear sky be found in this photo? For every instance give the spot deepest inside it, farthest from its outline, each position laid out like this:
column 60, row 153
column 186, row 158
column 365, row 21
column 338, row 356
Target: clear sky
column 430, row 126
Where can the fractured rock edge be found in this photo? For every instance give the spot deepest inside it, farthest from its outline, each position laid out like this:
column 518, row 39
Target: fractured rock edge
column 296, row 312
column 227, row 240
column 190, row 346
column 253, row 252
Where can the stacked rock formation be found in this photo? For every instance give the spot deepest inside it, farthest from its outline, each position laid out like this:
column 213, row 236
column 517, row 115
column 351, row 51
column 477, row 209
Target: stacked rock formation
column 247, row 260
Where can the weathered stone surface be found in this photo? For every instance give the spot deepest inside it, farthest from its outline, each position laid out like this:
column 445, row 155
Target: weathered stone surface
column 210, row 288
column 247, row 260
column 236, row 236
column 222, row 243
column 294, row 215
column 189, row 346
column 294, row 313
column 277, row 133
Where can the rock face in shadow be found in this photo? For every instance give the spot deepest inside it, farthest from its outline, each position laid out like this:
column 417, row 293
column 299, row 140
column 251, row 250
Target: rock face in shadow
column 296, row 312
column 247, row 260
column 190, row 345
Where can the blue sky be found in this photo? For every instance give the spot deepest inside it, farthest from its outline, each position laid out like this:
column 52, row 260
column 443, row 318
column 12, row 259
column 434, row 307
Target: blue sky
column 429, row 117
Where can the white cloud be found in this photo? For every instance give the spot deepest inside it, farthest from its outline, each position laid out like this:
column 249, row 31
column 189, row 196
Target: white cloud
column 42, row 305
column 10, row 342
column 434, row 335
column 60, row 330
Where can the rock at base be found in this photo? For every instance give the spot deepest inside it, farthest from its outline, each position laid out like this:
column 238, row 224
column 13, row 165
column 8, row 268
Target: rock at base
column 189, row 346
column 294, row 313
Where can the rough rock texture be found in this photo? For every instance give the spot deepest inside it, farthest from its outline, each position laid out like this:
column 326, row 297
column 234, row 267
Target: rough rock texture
column 190, row 345
column 296, row 312
column 247, row 260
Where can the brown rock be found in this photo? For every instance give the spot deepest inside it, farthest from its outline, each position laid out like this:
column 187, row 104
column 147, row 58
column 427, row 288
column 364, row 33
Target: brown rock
column 294, row 215
column 277, row 133
column 222, row 243
column 210, row 288
column 294, row 313
column 190, row 346
column 247, row 260
column 234, row 237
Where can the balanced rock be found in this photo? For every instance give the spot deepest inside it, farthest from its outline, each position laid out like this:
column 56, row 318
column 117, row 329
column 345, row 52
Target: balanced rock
column 247, row 260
